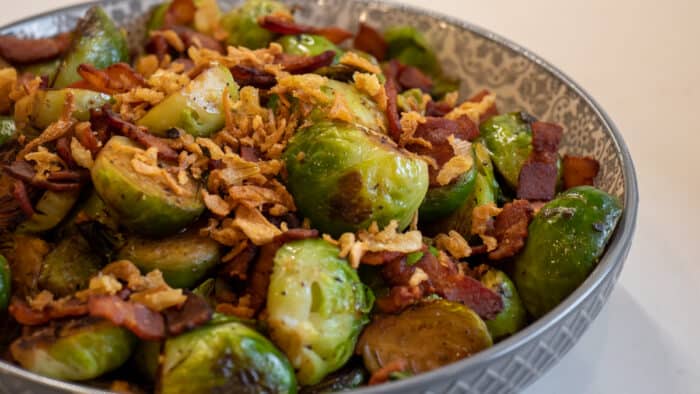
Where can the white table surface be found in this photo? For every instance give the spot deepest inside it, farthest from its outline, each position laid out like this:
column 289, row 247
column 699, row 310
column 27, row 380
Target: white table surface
column 641, row 60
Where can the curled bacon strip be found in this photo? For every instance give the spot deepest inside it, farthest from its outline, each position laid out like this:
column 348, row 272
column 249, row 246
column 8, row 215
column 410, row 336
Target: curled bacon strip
column 412, row 78
column 281, row 25
column 579, row 171
column 117, row 78
column 137, row 318
column 379, row 258
column 305, row 64
column 31, row 50
column 24, row 171
column 64, row 152
column 194, row 38
column 371, row 41
column 24, row 314
column 510, row 229
column 538, row 176
column 239, row 265
column 193, row 313
column 19, row 192
column 250, row 76
column 392, row 110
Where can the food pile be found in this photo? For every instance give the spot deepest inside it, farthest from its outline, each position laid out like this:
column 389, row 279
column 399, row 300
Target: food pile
column 245, row 203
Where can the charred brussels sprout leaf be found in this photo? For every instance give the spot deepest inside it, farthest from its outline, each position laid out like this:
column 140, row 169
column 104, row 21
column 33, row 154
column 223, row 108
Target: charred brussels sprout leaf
column 224, row 358
column 74, row 350
column 197, row 108
column 69, row 266
column 316, row 307
column 242, row 23
column 428, row 335
column 509, row 139
column 142, row 203
column 344, row 178
column 345, row 379
column 409, row 46
column 441, row 201
column 5, row 283
column 308, row 44
column 184, row 259
column 49, row 105
column 565, row 240
column 513, row 316
column 98, row 42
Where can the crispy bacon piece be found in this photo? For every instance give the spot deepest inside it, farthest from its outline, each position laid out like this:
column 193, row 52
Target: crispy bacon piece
column 64, row 152
column 579, row 170
column 379, row 258
column 296, row 234
column 180, row 12
column 251, row 154
column 194, row 38
column 157, row 45
column 117, row 78
column 383, row 374
column 239, row 265
column 437, row 108
column 371, row 41
column 410, row 77
column 492, row 111
column 133, row 132
column 510, row 229
column 24, row 171
column 79, row 175
column 137, row 318
column 538, row 177
column 250, row 76
column 31, row 50
column 192, row 314
column 281, row 25
column 19, row 192
column 24, row 314
column 88, row 139
column 299, row 64
column 399, row 298
column 392, row 110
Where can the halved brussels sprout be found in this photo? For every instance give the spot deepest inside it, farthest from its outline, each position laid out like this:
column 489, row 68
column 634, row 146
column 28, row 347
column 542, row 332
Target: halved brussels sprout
column 46, row 69
column 344, row 379
column 142, row 204
column 428, row 335
column 74, row 350
column 155, row 22
column 242, row 23
column 441, row 201
column 223, row 358
column 51, row 209
column 8, row 130
column 49, row 105
column 98, row 42
column 316, row 307
column 5, row 283
column 513, row 316
column 184, row 259
column 69, row 266
column 344, row 178
column 509, row 139
column 565, row 240
column 308, row 44
column 198, row 108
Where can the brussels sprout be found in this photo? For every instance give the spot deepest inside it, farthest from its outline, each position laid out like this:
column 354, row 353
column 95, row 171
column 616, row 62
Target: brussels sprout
column 184, row 259
column 5, row 283
column 197, row 108
column 441, row 201
column 316, row 307
column 342, row 380
column 308, row 44
column 509, row 139
column 8, row 130
column 412, row 100
column 344, row 178
column 428, row 335
column 155, row 22
column 98, row 42
column 409, row 46
column 51, row 209
column 242, row 23
column 565, row 240
column 69, row 266
column 513, row 316
column 224, row 358
column 49, row 105
column 141, row 203
column 46, row 69
column 145, row 359
column 74, row 350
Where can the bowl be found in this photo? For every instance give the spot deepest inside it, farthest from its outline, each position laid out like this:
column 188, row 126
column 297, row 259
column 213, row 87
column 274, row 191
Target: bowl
column 521, row 80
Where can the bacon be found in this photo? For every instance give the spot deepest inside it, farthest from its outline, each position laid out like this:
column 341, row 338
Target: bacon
column 399, row 298
column 538, row 176
column 379, row 258
column 137, row 318
column 510, row 229
column 19, row 192
column 437, row 108
column 24, row 171
column 157, row 45
column 281, row 25
column 24, row 314
column 249, row 153
column 250, row 76
column 80, row 176
column 371, row 41
column 295, row 64
column 492, row 111
column 260, row 276
column 117, row 78
column 295, row 234
column 31, row 50
column 87, row 139
column 194, row 38
column 239, row 265
column 410, row 77
column 579, row 170
column 392, row 110
column 64, row 152
column 180, row 12
column 193, row 313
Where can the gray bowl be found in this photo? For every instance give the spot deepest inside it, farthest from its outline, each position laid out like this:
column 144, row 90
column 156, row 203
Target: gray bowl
column 521, row 80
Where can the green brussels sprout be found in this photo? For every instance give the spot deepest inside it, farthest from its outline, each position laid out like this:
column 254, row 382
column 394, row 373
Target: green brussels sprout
column 316, row 307
column 223, row 358
column 441, row 201
column 197, row 108
column 184, row 259
column 74, row 350
column 98, row 42
column 141, row 203
column 8, row 130
column 49, row 104
column 51, row 209
column 242, row 23
column 344, row 178
column 342, row 380
column 69, row 266
column 5, row 283
column 145, row 359
column 429, row 335
column 509, row 138
column 155, row 22
column 308, row 44
column 46, row 69
column 565, row 240
column 513, row 317
column 346, row 72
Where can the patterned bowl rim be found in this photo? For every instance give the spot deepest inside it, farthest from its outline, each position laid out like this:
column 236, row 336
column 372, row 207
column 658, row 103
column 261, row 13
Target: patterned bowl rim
column 610, row 263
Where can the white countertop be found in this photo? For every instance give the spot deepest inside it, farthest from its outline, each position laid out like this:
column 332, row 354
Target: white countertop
column 641, row 60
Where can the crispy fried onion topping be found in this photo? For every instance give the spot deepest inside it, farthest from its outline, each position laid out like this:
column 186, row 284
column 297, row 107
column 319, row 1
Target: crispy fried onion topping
column 473, row 110
column 482, row 224
column 354, row 247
